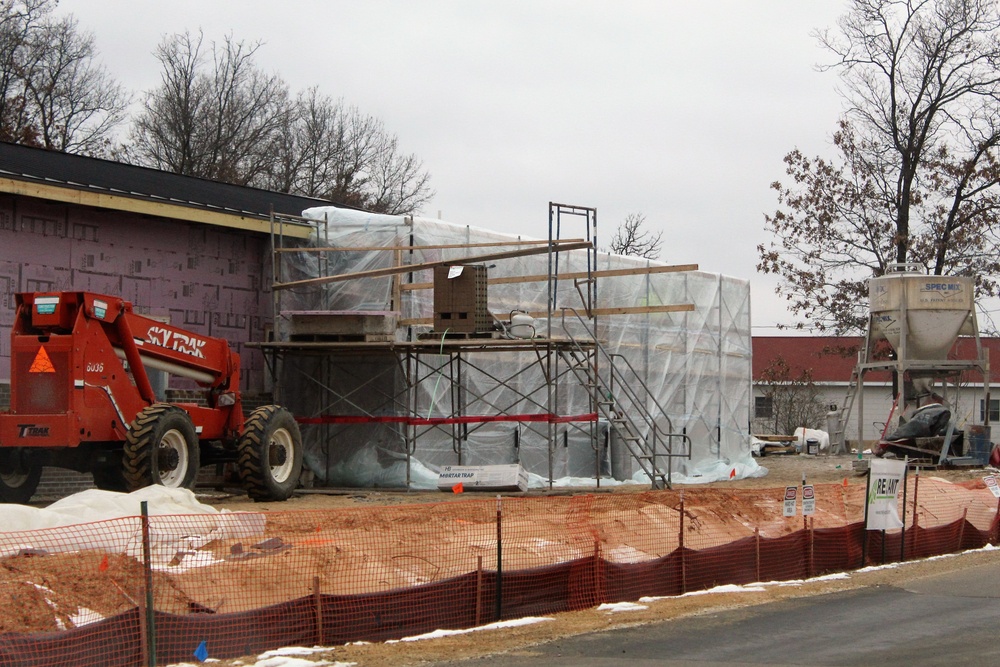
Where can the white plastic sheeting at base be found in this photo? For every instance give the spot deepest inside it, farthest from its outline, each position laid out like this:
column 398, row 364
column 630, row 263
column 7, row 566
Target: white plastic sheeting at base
column 696, row 363
column 375, row 468
column 423, row 478
column 177, row 522
column 716, row 471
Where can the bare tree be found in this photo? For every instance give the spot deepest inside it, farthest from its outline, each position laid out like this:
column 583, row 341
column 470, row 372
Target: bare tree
column 52, row 92
column 20, row 21
column 164, row 135
column 397, row 182
column 334, row 151
column 633, row 240
column 75, row 104
column 216, row 117
column 917, row 175
column 221, row 118
column 794, row 399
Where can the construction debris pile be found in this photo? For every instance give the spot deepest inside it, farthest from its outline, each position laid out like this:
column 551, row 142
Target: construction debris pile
column 380, row 414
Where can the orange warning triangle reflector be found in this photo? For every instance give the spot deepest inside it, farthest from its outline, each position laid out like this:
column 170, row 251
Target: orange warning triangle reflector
column 42, row 363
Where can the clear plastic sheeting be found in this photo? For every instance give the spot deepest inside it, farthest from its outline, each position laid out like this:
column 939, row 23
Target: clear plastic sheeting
column 362, row 411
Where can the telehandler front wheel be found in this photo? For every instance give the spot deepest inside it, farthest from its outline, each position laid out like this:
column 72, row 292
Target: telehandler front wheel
column 18, row 477
column 270, row 454
column 161, row 448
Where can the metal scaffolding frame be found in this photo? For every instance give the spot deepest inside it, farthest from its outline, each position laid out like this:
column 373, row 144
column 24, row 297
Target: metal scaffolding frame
column 452, row 371
column 454, row 368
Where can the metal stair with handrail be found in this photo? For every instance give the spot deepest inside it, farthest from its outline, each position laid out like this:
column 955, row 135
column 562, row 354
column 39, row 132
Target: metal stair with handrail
column 624, row 399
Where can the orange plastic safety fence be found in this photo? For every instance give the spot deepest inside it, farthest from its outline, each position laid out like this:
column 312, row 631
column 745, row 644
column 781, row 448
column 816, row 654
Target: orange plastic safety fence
column 235, row 584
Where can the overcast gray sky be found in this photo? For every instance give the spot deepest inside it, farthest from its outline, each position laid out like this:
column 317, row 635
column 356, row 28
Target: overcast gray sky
column 679, row 110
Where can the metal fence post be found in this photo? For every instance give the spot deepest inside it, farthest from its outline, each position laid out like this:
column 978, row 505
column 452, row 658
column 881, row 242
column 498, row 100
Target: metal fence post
column 499, row 597
column 150, row 645
column 756, row 536
column 318, row 604
column 680, row 539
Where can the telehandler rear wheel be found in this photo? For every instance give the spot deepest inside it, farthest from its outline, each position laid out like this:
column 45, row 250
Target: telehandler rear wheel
column 161, row 448
column 270, row 454
column 18, row 479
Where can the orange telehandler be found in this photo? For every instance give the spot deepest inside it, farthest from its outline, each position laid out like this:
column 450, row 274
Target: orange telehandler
column 81, row 398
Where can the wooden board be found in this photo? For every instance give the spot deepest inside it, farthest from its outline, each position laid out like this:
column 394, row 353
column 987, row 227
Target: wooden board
column 581, row 275
column 393, row 270
column 442, row 246
column 637, row 310
column 776, row 438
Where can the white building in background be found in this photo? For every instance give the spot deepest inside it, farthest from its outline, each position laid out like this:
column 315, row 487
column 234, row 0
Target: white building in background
column 831, row 360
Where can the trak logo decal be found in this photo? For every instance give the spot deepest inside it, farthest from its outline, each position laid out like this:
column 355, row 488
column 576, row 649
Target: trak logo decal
column 173, row 340
column 32, row 431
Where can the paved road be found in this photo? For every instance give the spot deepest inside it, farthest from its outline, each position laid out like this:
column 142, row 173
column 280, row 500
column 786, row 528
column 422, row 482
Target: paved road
column 948, row 619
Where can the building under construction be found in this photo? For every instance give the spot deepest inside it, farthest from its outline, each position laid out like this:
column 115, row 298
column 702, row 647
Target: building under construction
column 545, row 352
column 404, row 344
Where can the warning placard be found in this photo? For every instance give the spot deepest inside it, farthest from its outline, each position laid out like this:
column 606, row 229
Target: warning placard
column 42, row 363
column 991, row 484
column 808, row 500
column 791, row 500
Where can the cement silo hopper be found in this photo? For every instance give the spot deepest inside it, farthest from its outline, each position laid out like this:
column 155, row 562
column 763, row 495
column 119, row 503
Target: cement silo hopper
column 920, row 315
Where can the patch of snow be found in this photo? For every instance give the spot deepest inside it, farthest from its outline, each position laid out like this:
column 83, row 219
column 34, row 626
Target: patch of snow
column 84, row 616
column 615, row 607
column 799, row 582
column 625, row 553
column 527, row 620
column 284, row 661
column 188, row 561
column 292, row 650
column 726, row 588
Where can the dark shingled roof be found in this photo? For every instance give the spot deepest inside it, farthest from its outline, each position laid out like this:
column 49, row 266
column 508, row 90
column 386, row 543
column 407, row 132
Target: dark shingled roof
column 93, row 174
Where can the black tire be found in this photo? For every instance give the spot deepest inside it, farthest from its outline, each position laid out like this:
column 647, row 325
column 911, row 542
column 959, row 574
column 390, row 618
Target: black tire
column 161, row 448
column 18, row 480
column 270, row 454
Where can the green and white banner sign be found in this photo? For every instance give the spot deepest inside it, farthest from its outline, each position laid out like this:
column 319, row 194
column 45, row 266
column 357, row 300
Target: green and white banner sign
column 885, row 483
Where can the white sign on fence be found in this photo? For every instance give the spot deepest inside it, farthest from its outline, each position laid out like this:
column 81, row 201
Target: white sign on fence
column 991, row 484
column 791, row 498
column 808, row 500
column 885, row 482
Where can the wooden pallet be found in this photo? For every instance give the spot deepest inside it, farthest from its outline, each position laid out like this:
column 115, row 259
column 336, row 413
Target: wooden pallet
column 772, row 449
